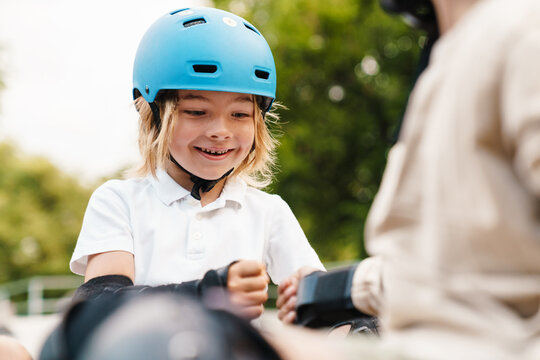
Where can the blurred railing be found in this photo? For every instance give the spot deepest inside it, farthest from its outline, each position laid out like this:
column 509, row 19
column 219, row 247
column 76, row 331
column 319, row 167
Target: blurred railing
column 39, row 294
column 50, row 294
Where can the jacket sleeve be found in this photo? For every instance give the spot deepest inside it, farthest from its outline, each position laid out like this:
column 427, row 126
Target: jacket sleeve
column 367, row 286
column 521, row 108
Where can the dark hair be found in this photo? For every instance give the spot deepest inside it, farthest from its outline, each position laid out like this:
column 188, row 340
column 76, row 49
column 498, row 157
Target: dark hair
column 420, row 13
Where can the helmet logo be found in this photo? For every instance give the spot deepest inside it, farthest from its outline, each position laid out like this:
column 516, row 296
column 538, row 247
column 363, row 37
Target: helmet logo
column 229, row 21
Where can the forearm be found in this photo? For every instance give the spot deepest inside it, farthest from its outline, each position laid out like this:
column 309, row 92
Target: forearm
column 120, row 284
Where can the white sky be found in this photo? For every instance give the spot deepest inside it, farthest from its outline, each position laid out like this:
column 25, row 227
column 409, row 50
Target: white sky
column 67, row 66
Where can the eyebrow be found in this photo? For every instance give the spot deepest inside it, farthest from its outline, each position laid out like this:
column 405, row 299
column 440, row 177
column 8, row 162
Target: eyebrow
column 190, row 96
column 193, row 97
column 244, row 98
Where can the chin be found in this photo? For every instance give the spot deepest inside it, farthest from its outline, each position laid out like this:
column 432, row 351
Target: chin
column 211, row 175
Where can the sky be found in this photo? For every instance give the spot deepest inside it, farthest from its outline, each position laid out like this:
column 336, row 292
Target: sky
column 67, row 68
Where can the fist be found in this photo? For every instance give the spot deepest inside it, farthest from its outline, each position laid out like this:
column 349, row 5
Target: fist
column 247, row 282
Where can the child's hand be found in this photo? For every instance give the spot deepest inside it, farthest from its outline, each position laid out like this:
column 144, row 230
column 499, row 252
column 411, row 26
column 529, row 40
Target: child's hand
column 286, row 301
column 247, row 282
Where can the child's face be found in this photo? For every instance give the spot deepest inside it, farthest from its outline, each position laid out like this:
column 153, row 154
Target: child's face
column 214, row 131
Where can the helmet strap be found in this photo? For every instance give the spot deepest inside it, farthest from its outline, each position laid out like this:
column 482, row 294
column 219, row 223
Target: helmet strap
column 157, row 118
column 264, row 104
column 199, row 184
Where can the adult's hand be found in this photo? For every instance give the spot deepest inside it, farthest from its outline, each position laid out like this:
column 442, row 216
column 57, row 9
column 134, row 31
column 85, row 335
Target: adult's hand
column 286, row 301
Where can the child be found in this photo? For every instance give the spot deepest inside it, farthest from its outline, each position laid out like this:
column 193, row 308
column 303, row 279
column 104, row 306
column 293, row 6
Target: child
column 204, row 81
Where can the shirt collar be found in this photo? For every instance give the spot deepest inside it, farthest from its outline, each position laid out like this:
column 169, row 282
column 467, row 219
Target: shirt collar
column 169, row 191
column 234, row 190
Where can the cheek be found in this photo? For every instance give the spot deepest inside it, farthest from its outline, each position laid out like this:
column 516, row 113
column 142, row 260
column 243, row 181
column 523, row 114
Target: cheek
column 178, row 142
column 248, row 135
column 182, row 134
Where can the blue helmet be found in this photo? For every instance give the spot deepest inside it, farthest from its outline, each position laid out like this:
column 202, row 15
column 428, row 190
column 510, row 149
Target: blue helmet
column 204, row 49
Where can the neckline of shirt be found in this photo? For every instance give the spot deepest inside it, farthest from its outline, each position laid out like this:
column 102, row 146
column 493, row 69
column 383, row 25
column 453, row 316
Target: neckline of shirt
column 169, row 191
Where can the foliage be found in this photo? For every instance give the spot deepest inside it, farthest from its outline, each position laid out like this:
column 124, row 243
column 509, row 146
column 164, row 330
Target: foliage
column 41, row 212
column 344, row 71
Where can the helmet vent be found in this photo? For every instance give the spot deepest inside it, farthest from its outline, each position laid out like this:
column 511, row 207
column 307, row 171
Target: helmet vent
column 194, row 22
column 261, row 74
column 252, row 29
column 183, row 11
column 208, row 69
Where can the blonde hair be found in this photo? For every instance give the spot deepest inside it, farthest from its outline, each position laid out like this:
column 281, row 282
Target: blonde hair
column 257, row 169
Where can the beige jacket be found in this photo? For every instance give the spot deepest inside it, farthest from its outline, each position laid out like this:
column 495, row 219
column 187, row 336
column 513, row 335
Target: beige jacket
column 455, row 227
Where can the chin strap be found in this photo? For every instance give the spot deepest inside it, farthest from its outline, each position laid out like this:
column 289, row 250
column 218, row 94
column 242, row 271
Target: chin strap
column 200, row 184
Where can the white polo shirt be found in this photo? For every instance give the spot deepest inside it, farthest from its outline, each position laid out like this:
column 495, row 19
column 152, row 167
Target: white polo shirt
column 174, row 239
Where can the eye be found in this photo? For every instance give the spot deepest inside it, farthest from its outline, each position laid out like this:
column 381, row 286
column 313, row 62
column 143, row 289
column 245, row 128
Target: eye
column 241, row 115
column 194, row 112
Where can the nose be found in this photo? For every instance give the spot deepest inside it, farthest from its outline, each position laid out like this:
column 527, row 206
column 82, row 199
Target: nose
column 218, row 128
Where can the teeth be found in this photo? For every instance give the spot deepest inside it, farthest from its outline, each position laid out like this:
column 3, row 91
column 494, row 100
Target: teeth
column 214, row 152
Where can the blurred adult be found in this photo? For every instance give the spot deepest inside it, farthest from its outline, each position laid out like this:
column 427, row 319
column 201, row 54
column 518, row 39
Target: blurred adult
column 454, row 231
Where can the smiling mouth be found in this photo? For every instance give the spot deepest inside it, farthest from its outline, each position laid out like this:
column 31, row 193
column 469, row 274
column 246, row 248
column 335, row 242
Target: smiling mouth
column 213, row 152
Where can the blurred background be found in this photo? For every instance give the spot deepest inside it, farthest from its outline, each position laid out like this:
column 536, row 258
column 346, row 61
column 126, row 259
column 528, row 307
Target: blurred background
column 67, row 122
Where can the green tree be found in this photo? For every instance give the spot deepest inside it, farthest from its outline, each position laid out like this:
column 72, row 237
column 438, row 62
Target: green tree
column 41, row 211
column 344, row 71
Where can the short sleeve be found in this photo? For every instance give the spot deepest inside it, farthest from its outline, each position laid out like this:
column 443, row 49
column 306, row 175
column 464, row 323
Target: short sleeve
column 287, row 247
column 106, row 226
column 521, row 107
